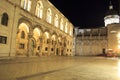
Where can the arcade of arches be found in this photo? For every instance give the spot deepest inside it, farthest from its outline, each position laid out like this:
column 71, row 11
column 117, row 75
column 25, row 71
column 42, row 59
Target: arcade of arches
column 36, row 42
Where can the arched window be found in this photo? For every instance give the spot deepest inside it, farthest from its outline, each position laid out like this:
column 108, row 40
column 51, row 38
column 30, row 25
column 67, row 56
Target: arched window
column 66, row 27
column 61, row 24
column 49, row 16
column 23, row 35
column 29, row 5
column 26, row 4
column 4, row 20
column 39, row 9
column 23, row 3
column 56, row 20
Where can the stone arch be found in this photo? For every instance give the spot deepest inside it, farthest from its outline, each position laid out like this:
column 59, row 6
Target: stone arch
column 46, row 43
column 40, row 28
column 27, row 22
column 59, row 48
column 54, row 43
column 22, row 43
column 46, row 35
column 37, row 33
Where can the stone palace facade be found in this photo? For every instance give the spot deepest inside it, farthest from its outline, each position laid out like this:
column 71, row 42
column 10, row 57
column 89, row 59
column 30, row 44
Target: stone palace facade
column 34, row 28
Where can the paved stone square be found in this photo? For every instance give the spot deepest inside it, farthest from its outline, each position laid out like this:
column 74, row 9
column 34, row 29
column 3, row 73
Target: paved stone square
column 60, row 68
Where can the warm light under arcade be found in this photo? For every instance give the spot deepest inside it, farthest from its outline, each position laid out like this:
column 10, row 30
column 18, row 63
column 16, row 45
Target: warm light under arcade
column 47, row 35
column 24, row 26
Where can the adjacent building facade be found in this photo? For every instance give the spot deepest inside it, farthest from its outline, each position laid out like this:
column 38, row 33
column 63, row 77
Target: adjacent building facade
column 97, row 41
column 34, row 28
column 91, row 41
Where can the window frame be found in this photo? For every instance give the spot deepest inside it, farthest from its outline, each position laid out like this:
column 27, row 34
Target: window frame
column 4, row 19
column 3, row 40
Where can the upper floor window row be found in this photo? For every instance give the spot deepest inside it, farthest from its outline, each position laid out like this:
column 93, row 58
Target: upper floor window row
column 26, row 4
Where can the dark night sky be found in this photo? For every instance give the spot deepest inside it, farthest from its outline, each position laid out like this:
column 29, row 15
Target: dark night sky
column 85, row 13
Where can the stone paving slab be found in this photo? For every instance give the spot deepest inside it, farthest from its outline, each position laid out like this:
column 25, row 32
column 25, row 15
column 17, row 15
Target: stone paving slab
column 60, row 68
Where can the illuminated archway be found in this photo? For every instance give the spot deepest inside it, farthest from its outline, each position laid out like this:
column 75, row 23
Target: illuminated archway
column 22, row 39
column 46, row 43
column 54, row 44
column 36, row 36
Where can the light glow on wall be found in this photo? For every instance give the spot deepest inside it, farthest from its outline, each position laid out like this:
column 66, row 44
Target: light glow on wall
column 118, row 46
column 47, row 35
column 119, row 68
column 24, row 26
column 118, row 35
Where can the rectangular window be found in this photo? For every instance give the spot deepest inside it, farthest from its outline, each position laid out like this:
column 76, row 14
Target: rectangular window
column 3, row 39
column 21, row 46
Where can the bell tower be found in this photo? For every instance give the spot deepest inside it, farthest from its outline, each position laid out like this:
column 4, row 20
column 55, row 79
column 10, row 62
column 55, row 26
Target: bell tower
column 112, row 22
column 111, row 16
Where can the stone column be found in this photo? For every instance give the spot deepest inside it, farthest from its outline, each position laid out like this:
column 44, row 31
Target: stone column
column 41, row 43
column 30, row 52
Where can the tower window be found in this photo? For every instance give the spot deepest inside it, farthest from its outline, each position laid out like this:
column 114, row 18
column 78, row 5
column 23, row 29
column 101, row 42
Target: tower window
column 4, row 20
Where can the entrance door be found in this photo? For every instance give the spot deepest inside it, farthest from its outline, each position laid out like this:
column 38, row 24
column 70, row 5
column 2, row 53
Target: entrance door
column 103, row 50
